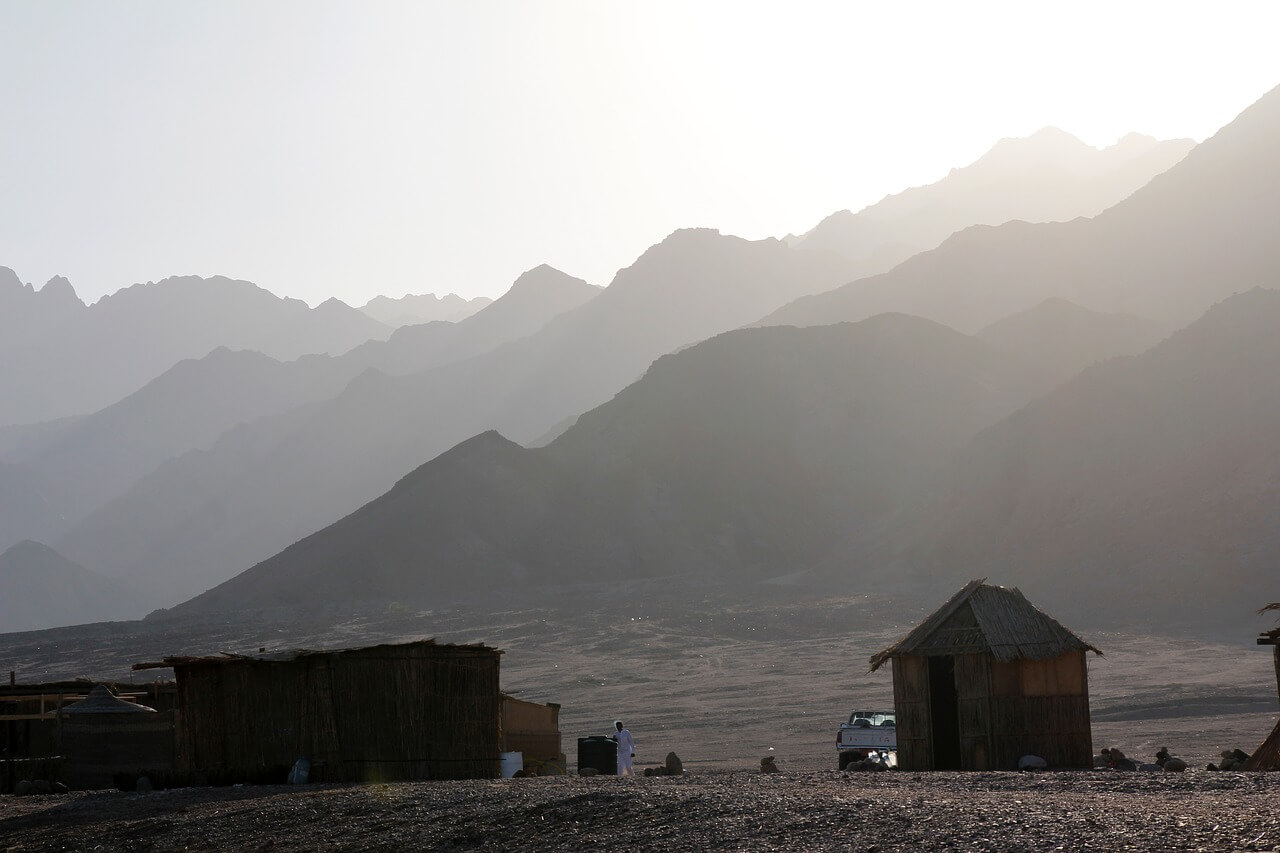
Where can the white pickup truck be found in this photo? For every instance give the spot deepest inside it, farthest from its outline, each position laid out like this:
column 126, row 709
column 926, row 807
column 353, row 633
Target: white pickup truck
column 867, row 732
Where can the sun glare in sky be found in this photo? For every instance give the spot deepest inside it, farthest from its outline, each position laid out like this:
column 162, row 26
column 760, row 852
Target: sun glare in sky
column 349, row 149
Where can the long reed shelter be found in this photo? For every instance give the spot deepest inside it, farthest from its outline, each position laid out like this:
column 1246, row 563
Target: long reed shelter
column 418, row 710
column 987, row 679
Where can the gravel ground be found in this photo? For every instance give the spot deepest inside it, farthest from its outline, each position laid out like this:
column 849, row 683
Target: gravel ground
column 1099, row 810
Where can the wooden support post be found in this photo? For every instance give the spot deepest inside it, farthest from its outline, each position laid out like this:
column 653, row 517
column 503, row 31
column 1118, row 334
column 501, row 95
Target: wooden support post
column 1271, row 639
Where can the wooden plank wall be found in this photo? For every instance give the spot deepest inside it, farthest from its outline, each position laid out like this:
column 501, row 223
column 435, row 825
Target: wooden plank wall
column 1041, row 708
column 973, row 690
column 911, row 702
column 404, row 714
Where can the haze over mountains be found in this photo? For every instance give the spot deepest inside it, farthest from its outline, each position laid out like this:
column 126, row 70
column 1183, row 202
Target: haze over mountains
column 1046, row 177
column 742, row 455
column 745, row 457
column 416, row 309
column 64, row 471
column 1146, row 486
column 206, row 516
column 1192, row 236
column 60, row 357
column 40, row 588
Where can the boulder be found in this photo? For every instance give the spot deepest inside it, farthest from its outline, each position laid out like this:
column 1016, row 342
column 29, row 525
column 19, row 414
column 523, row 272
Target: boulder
column 674, row 765
column 588, row 771
column 143, row 785
column 1175, row 765
column 767, row 765
column 60, row 788
column 22, row 788
column 1032, row 762
column 41, row 786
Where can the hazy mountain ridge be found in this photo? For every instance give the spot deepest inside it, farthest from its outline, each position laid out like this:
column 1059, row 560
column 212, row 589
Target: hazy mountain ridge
column 93, row 357
column 737, row 458
column 1048, row 176
column 1062, row 338
column 80, row 466
column 263, row 487
column 416, row 309
column 39, row 588
column 1193, row 235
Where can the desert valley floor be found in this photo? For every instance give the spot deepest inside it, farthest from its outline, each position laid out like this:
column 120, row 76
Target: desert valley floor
column 724, row 678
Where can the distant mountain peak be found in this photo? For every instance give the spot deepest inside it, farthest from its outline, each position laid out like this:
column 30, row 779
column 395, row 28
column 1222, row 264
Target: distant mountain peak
column 59, row 288
column 9, row 280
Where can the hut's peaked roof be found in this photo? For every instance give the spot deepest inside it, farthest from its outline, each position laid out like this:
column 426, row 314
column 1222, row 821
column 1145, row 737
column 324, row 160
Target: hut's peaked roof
column 102, row 701
column 289, row 655
column 996, row 620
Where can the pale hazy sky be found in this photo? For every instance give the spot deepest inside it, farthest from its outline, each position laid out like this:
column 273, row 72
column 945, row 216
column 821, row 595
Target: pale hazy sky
column 349, row 149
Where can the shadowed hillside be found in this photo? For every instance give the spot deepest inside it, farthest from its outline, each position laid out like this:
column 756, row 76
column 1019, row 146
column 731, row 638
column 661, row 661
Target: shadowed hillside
column 741, row 458
column 1148, row 487
column 201, row 518
column 1063, row 339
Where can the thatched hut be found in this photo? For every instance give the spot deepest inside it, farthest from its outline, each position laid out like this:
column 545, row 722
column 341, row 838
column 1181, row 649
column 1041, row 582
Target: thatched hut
column 987, row 679
column 1267, row 756
column 106, row 739
column 419, row 710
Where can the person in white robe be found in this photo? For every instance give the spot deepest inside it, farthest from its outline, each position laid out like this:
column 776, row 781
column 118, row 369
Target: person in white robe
column 626, row 748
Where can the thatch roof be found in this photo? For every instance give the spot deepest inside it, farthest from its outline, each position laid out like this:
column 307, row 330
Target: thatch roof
column 1267, row 756
column 102, row 701
column 290, row 655
column 995, row 620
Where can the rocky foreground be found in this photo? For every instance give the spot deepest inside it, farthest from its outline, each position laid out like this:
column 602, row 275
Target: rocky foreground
column 1101, row 810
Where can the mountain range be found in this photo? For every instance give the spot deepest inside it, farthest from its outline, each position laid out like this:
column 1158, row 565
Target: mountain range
column 1047, row 177
column 59, row 474
column 1115, row 492
column 1195, row 234
column 60, row 357
column 744, row 456
column 416, row 309
column 206, row 515
column 750, row 454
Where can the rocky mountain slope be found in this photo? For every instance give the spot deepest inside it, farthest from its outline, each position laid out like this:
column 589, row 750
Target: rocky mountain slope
column 205, row 516
column 1148, row 485
column 746, row 457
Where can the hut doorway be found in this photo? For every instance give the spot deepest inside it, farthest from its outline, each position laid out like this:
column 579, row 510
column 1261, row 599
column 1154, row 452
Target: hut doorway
column 944, row 712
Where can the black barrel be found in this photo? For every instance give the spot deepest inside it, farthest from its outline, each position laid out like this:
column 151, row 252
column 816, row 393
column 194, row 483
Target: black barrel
column 600, row 753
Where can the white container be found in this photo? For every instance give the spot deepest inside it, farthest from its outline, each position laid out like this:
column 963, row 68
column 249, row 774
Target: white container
column 512, row 762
